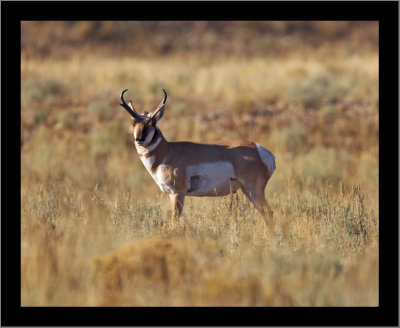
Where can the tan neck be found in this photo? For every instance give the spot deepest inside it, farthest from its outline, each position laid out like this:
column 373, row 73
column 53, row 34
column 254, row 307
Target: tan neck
column 162, row 147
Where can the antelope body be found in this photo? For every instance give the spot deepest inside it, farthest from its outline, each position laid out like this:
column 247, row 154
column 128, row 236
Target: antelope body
column 200, row 169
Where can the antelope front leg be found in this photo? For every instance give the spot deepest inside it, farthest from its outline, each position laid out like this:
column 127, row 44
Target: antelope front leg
column 177, row 201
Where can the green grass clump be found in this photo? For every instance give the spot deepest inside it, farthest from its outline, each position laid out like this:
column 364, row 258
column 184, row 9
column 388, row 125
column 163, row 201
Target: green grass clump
column 101, row 110
column 40, row 116
column 294, row 138
column 37, row 91
column 179, row 108
column 317, row 91
column 111, row 139
column 325, row 164
column 68, row 118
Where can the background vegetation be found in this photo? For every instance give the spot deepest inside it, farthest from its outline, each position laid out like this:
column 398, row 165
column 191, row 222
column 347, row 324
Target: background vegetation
column 95, row 228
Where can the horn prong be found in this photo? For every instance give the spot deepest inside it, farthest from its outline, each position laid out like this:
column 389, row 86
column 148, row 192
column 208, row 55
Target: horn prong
column 128, row 108
column 160, row 106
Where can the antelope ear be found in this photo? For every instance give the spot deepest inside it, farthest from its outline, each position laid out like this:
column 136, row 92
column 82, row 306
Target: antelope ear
column 158, row 113
column 131, row 107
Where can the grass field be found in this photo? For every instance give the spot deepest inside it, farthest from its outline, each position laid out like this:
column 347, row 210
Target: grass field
column 95, row 228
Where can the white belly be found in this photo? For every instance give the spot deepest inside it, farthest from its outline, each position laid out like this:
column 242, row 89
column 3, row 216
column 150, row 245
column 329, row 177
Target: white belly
column 210, row 179
column 206, row 179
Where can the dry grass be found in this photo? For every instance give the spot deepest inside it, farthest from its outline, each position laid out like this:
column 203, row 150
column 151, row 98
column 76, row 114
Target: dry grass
column 96, row 230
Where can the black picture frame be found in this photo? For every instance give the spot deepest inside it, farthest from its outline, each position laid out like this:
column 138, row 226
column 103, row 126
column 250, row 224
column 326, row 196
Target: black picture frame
column 14, row 12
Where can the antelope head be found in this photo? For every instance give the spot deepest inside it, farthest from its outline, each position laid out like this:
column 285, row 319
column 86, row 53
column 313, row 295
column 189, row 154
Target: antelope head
column 144, row 125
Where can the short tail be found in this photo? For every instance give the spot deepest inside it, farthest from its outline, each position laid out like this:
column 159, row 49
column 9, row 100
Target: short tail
column 267, row 158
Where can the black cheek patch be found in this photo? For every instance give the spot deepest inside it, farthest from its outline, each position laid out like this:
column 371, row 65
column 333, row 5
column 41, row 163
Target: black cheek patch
column 144, row 133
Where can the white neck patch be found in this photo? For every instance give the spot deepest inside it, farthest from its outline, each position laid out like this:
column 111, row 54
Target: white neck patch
column 144, row 149
column 148, row 163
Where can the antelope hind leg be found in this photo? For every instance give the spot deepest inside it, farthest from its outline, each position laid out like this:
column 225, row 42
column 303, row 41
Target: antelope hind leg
column 261, row 205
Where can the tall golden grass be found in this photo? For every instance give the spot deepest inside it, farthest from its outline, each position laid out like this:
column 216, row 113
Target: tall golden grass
column 96, row 230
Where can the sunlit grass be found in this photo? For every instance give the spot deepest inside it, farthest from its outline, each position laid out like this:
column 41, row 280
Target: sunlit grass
column 211, row 256
column 222, row 82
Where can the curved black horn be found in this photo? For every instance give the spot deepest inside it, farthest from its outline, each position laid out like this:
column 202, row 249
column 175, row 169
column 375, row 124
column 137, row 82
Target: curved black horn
column 160, row 106
column 129, row 109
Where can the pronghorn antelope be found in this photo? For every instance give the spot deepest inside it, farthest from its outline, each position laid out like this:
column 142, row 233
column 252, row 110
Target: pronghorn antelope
column 198, row 169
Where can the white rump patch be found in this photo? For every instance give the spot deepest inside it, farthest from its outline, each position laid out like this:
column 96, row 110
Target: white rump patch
column 267, row 158
column 211, row 179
